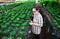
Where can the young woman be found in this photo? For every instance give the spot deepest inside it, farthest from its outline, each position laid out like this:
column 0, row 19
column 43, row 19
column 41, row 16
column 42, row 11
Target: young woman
column 36, row 23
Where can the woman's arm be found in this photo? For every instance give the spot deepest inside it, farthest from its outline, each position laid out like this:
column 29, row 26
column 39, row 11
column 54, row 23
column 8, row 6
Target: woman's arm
column 40, row 23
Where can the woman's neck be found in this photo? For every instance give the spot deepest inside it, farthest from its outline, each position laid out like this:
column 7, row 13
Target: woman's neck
column 36, row 14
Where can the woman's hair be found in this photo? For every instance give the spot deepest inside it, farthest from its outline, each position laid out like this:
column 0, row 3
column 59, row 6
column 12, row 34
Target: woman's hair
column 38, row 7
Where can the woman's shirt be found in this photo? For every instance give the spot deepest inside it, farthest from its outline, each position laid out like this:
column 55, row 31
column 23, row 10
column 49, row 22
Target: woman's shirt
column 37, row 19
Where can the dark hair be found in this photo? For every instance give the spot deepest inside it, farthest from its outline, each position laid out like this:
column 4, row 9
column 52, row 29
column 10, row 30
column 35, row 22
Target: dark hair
column 36, row 6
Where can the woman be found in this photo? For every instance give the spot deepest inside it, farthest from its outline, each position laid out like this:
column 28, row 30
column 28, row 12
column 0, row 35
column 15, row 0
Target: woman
column 36, row 23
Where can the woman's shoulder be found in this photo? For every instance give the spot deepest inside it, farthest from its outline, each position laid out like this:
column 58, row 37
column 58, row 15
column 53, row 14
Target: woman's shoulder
column 39, row 15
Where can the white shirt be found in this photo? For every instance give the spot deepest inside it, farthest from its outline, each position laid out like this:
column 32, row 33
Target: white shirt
column 37, row 19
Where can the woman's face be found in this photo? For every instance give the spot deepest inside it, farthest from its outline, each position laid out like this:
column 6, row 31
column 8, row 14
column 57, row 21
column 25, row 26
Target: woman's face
column 34, row 11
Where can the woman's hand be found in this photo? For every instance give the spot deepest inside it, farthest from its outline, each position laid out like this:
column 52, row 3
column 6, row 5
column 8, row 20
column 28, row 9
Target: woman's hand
column 31, row 23
column 35, row 24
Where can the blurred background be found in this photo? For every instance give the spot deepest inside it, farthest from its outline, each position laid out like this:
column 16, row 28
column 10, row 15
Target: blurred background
column 15, row 17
